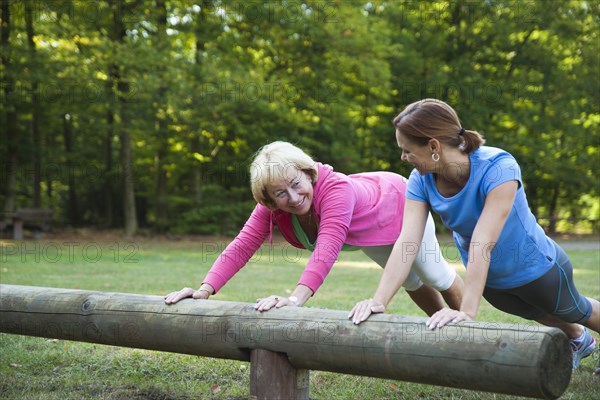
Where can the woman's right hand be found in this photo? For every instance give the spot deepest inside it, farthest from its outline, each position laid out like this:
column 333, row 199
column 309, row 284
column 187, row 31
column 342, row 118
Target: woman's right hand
column 184, row 293
column 363, row 309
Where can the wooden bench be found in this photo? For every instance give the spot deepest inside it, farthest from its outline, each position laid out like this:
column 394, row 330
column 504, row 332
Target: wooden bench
column 35, row 219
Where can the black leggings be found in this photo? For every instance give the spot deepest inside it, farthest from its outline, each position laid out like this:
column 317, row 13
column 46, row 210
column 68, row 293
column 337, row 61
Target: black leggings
column 554, row 293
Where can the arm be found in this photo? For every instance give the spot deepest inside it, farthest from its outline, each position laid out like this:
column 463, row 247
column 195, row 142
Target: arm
column 336, row 204
column 496, row 210
column 334, row 200
column 302, row 293
column 232, row 259
column 398, row 265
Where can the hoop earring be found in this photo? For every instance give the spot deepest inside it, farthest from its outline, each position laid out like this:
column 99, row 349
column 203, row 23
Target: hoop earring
column 435, row 157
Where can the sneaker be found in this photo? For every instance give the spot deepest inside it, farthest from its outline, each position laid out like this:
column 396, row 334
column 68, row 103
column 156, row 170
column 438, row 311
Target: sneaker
column 582, row 347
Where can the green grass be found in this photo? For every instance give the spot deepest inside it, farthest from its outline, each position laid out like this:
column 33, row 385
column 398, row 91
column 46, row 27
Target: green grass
column 38, row 368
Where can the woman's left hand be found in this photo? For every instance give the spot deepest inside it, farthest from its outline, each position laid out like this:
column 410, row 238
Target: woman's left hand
column 446, row 316
column 363, row 309
column 272, row 301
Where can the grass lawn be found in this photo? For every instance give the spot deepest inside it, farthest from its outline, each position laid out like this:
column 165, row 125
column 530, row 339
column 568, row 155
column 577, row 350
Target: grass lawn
column 38, row 368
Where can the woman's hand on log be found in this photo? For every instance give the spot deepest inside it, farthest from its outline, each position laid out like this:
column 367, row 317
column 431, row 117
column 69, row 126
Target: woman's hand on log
column 446, row 316
column 184, row 293
column 362, row 310
column 272, row 301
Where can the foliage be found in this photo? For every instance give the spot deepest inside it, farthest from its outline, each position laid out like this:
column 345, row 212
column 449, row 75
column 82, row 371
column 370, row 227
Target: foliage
column 199, row 86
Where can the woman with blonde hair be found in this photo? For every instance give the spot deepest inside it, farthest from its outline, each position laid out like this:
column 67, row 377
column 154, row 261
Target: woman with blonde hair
column 325, row 211
column 478, row 192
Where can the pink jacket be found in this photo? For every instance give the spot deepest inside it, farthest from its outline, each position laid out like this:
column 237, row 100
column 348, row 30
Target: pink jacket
column 361, row 209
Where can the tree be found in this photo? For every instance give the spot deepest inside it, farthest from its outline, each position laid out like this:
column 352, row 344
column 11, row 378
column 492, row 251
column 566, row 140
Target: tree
column 166, row 101
column 10, row 135
column 122, row 117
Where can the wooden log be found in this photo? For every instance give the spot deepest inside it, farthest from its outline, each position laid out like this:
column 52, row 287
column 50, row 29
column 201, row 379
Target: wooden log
column 523, row 360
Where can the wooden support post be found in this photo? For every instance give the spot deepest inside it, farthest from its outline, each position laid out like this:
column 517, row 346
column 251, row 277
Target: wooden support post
column 273, row 377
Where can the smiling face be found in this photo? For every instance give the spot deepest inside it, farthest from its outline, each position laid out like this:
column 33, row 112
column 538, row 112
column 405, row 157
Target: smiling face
column 293, row 192
column 418, row 156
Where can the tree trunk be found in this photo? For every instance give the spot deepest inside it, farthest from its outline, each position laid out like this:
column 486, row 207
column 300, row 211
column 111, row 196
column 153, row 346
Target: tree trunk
column 73, row 209
column 35, row 109
column 129, row 211
column 196, row 172
column 122, row 87
column 107, row 184
column 201, row 31
column 11, row 163
column 553, row 209
column 533, row 195
column 160, row 201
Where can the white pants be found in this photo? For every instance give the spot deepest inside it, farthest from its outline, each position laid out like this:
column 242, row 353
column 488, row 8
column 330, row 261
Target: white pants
column 429, row 266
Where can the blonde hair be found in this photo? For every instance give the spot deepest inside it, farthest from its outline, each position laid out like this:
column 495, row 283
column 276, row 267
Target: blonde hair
column 275, row 162
column 433, row 119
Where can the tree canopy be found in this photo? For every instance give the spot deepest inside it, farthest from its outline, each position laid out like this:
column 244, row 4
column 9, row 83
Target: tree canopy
column 146, row 113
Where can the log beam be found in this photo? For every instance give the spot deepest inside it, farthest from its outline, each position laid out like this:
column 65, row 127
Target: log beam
column 522, row 360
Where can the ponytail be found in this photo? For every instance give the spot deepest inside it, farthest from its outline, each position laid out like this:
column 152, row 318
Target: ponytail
column 471, row 140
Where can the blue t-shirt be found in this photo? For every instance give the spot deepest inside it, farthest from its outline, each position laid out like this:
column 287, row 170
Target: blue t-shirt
column 523, row 252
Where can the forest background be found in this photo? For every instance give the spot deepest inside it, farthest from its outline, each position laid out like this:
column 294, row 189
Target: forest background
column 144, row 115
